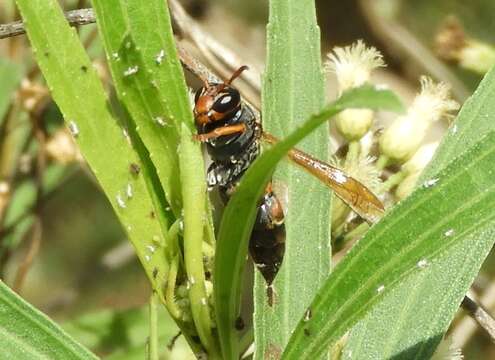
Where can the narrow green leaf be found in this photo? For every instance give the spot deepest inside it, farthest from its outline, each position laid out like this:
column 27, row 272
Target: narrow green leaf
column 10, row 77
column 293, row 88
column 413, row 329
column 437, row 218
column 26, row 333
column 149, row 80
column 80, row 96
column 233, row 237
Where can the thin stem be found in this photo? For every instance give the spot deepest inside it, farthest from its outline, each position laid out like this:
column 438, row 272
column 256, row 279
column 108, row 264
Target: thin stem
column 153, row 339
column 194, row 198
column 480, row 315
column 74, row 17
column 382, row 162
column 353, row 153
column 392, row 181
column 35, row 233
column 358, row 231
column 170, row 303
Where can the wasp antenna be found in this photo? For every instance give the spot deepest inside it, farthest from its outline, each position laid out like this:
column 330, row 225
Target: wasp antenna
column 236, row 74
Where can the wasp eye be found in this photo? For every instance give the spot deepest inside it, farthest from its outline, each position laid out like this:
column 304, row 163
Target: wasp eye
column 227, row 101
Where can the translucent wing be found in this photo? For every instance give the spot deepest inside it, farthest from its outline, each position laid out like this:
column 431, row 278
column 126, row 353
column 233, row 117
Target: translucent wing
column 357, row 196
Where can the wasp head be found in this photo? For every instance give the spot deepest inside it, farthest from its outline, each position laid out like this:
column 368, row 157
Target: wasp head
column 215, row 102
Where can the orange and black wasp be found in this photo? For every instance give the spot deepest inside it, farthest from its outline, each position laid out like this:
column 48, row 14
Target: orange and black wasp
column 232, row 135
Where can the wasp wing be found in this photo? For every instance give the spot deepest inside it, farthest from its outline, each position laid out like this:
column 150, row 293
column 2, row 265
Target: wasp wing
column 356, row 195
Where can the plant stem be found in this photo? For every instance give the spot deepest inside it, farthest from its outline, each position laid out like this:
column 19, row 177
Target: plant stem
column 392, row 181
column 353, row 153
column 194, row 198
column 356, row 232
column 480, row 315
column 382, row 162
column 153, row 339
column 170, row 290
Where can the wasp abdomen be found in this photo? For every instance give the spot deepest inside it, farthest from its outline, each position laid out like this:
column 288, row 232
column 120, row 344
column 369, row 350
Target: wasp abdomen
column 267, row 243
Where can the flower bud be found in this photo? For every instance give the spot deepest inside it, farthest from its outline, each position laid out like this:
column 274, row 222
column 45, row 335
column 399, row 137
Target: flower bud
column 353, row 124
column 403, row 138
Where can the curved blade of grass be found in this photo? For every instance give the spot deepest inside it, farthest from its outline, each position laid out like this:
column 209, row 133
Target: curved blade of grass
column 293, row 88
column 414, row 330
column 26, row 333
column 149, row 80
column 434, row 220
column 80, row 96
column 234, row 235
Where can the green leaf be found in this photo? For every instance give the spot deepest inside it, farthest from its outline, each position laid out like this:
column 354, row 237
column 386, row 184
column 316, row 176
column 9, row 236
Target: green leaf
column 80, row 96
column 293, row 88
column 231, row 255
column 442, row 285
column 451, row 212
column 26, row 333
column 149, row 80
column 10, row 77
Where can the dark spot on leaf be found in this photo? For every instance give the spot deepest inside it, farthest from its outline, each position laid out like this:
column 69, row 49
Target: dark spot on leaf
column 135, row 169
column 307, row 332
column 152, row 214
column 196, row 339
column 155, row 273
column 84, row 68
column 239, row 323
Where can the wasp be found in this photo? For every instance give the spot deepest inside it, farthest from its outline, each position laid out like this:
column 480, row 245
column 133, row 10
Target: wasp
column 232, row 134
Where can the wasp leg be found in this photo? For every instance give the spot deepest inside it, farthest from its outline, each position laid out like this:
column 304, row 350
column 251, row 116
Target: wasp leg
column 221, row 131
column 267, row 243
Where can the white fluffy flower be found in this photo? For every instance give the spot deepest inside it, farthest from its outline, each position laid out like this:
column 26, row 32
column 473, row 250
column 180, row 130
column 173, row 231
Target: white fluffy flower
column 403, row 138
column 433, row 102
column 353, row 64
